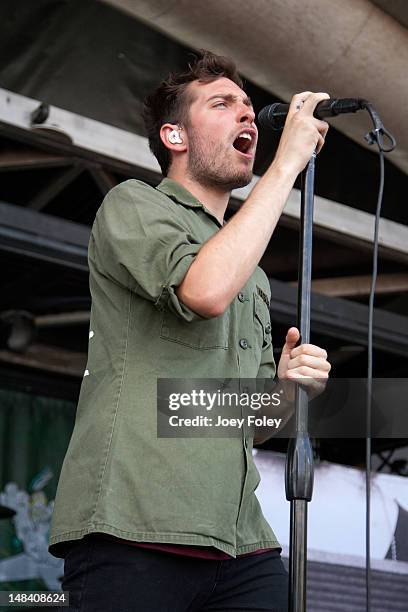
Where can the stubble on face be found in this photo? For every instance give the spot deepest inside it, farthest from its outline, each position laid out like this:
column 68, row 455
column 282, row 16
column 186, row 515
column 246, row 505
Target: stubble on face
column 211, row 164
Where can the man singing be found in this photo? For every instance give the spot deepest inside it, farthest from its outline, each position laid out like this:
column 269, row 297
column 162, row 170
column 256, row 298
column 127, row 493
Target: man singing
column 156, row 524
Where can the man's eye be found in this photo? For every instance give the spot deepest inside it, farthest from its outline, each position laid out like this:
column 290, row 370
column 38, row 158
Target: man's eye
column 220, row 104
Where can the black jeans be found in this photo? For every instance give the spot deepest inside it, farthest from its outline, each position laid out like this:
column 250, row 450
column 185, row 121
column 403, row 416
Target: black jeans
column 102, row 575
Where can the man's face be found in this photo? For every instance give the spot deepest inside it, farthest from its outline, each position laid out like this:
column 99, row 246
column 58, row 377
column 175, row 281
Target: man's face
column 221, row 134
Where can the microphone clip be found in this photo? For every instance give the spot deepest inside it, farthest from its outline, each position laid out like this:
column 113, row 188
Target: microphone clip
column 376, row 136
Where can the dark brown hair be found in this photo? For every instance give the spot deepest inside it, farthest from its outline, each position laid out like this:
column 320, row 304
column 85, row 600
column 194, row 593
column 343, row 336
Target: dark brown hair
column 169, row 103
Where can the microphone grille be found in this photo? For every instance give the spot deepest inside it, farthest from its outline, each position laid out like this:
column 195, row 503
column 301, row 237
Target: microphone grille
column 273, row 116
column 265, row 116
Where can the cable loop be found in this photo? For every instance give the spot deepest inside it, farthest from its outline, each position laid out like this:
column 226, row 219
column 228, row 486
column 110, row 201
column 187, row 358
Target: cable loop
column 376, row 136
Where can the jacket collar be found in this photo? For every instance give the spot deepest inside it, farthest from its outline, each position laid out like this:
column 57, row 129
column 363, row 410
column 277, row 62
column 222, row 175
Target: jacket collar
column 180, row 194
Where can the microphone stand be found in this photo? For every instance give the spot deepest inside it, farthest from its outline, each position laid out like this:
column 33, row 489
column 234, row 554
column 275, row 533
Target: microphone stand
column 299, row 459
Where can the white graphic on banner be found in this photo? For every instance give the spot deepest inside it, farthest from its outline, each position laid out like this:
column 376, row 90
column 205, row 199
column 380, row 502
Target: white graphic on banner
column 32, row 524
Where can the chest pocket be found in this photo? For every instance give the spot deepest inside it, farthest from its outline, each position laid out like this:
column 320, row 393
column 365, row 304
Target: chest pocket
column 262, row 321
column 209, row 334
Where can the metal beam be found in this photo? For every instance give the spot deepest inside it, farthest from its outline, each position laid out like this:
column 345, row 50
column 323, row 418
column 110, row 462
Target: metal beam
column 340, row 318
column 63, row 319
column 48, row 358
column 39, row 235
column 103, row 178
column 129, row 153
column 30, row 159
column 44, row 237
column 343, row 224
column 85, row 137
column 46, row 195
column 347, row 286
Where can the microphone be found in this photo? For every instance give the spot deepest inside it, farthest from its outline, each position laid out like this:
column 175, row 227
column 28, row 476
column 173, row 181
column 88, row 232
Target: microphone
column 274, row 115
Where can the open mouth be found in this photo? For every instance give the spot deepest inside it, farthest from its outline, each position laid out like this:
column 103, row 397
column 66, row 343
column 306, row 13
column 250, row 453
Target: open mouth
column 244, row 143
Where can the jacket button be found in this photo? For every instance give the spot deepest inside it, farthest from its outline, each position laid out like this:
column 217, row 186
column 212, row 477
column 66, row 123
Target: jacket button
column 243, row 343
column 241, row 297
column 268, row 328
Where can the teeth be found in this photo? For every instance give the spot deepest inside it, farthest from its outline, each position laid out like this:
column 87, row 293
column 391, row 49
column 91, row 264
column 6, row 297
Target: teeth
column 246, row 135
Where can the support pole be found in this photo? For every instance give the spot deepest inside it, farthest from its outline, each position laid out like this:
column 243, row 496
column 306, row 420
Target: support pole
column 299, row 460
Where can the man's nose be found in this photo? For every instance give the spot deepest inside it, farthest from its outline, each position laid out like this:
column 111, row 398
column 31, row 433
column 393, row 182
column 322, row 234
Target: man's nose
column 246, row 115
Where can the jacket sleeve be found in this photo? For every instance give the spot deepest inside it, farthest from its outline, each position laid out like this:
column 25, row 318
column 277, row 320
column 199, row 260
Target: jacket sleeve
column 140, row 243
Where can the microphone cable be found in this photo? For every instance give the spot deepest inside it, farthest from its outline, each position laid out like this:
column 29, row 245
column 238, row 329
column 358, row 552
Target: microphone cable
column 274, row 116
column 376, row 136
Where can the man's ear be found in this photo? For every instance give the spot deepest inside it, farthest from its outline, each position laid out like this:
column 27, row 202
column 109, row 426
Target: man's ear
column 173, row 137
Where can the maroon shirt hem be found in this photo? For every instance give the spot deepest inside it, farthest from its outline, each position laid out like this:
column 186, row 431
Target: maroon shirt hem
column 201, row 552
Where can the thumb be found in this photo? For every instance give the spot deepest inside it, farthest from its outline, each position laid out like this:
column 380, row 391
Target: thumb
column 292, row 338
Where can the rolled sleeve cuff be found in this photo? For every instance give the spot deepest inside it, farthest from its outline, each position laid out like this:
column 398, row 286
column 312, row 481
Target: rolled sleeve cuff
column 168, row 298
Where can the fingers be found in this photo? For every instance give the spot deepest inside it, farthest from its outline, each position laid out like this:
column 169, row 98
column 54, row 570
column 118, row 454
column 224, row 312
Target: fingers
column 322, row 127
column 303, row 133
column 292, row 337
column 308, row 361
column 292, row 331
column 309, row 349
column 308, row 364
column 306, row 372
column 297, row 100
column 305, row 104
column 312, row 101
column 320, row 144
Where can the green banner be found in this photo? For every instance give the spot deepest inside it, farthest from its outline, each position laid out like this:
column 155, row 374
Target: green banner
column 34, row 436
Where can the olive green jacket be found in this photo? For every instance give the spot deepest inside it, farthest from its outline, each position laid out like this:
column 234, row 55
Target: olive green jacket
column 118, row 476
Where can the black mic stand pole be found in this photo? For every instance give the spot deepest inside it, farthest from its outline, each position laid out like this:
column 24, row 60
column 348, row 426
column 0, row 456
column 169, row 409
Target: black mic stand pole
column 299, row 459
